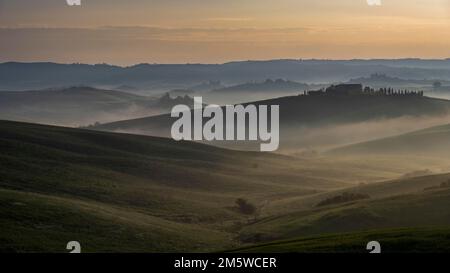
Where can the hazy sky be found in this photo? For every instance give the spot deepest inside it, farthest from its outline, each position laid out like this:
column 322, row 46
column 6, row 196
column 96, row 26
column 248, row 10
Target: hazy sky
column 211, row 31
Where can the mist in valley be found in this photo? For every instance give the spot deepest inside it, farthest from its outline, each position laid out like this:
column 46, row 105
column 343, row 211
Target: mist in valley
column 82, row 106
column 333, row 136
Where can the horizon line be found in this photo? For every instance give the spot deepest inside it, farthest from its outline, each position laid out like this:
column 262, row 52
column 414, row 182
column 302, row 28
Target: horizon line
column 230, row 62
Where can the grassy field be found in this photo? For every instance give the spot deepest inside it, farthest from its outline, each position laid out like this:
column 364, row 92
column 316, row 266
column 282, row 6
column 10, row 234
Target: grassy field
column 41, row 223
column 128, row 193
column 425, row 208
column 407, row 240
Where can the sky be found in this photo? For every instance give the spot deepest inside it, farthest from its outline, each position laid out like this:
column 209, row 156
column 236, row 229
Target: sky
column 216, row 31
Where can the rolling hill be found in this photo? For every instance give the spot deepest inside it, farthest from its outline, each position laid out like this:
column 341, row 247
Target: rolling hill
column 77, row 106
column 117, row 192
column 406, row 240
column 433, row 141
column 426, row 207
column 131, row 193
column 302, row 117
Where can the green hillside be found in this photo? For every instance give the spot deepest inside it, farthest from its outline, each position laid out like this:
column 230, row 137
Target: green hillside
column 66, row 182
column 129, row 193
column 407, row 240
column 32, row 222
column 424, row 208
column 400, row 186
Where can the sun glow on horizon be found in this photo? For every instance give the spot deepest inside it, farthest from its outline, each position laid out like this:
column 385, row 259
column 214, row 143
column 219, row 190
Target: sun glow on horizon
column 219, row 31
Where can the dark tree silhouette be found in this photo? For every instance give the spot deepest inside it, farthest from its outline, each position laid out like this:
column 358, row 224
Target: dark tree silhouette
column 245, row 207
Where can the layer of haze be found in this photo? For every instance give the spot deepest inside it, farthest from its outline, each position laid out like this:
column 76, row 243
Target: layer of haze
column 179, row 31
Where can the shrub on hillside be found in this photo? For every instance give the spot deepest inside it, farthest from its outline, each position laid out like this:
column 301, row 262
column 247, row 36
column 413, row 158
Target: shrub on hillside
column 343, row 198
column 244, row 207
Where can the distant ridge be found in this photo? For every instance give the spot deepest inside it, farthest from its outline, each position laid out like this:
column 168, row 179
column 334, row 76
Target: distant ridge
column 20, row 76
column 269, row 85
